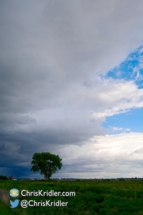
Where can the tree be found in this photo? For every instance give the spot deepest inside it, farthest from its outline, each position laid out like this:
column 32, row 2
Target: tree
column 46, row 163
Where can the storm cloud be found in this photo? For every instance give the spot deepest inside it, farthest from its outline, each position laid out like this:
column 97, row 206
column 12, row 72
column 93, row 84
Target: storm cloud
column 52, row 58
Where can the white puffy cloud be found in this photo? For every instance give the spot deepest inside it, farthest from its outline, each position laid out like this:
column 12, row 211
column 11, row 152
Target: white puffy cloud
column 107, row 156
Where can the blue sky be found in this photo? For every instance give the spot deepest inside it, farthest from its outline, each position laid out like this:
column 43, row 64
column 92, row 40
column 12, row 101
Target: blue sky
column 131, row 69
column 131, row 120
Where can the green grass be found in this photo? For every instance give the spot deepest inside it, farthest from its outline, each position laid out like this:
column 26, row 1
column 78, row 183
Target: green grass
column 105, row 197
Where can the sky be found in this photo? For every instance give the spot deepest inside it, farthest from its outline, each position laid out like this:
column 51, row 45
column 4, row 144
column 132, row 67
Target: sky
column 71, row 83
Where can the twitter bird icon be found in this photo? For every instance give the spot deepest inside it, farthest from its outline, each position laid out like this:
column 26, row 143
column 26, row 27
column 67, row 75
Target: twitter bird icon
column 14, row 203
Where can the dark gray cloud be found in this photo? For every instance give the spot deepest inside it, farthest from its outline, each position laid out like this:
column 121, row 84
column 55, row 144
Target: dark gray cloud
column 51, row 53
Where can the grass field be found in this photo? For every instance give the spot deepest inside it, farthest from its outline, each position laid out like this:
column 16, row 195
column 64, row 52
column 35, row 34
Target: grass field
column 104, row 197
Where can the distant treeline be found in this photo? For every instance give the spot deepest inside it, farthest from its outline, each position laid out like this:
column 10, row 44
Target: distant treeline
column 3, row 177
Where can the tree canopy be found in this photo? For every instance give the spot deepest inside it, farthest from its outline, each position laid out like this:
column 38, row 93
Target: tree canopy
column 46, row 163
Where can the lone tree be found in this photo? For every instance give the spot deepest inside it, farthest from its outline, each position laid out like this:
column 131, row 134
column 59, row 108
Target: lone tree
column 46, row 163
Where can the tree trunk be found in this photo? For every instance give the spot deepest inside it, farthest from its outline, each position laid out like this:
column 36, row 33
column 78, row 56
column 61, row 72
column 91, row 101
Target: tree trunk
column 46, row 175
